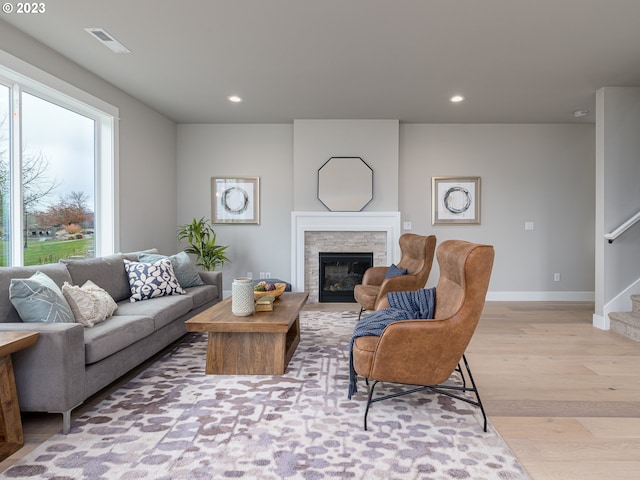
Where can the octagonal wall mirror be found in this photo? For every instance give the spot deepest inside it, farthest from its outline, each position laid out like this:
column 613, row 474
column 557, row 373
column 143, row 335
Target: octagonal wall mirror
column 345, row 184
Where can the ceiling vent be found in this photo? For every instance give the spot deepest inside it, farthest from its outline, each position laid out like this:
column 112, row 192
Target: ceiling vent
column 107, row 39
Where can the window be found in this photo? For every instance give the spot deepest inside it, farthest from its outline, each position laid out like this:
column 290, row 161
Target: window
column 57, row 181
column 5, row 99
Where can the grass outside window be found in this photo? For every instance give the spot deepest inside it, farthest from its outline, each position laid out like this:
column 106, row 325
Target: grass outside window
column 51, row 251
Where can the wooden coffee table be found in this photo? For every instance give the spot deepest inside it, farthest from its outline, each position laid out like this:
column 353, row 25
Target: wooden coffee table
column 11, row 424
column 259, row 344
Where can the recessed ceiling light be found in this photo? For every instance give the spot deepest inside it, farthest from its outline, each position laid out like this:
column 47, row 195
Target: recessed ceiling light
column 107, row 39
column 580, row 113
column 456, row 99
column 235, row 99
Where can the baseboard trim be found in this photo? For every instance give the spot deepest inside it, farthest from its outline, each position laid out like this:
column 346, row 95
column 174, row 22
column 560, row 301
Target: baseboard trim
column 603, row 323
column 540, row 296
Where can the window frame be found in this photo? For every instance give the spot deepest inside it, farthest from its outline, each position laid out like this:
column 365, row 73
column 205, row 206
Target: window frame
column 20, row 76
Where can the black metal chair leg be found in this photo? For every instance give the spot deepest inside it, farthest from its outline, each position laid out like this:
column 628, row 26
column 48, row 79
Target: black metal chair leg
column 444, row 389
column 462, row 377
column 475, row 390
column 360, row 314
column 366, row 410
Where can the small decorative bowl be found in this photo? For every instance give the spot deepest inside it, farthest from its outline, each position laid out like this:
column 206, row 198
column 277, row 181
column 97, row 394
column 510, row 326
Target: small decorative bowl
column 273, row 293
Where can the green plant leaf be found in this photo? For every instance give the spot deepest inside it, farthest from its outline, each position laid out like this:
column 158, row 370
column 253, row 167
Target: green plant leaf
column 201, row 238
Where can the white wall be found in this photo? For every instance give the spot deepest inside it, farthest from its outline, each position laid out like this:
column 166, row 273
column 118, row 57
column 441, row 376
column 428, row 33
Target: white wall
column 147, row 185
column 264, row 151
column 539, row 173
column 618, row 199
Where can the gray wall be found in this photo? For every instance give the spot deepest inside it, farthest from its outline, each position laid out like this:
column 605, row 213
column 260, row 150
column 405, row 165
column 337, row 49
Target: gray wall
column 539, row 173
column 147, row 167
column 316, row 141
column 618, row 199
column 264, row 151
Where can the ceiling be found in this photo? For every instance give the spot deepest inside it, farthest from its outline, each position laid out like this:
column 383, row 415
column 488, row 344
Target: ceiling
column 524, row 61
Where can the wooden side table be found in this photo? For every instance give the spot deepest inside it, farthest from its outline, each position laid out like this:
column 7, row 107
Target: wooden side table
column 11, row 438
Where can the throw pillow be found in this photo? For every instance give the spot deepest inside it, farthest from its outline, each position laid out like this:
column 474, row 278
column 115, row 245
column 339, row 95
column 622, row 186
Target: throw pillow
column 39, row 299
column 184, row 268
column 150, row 280
column 89, row 303
column 394, row 271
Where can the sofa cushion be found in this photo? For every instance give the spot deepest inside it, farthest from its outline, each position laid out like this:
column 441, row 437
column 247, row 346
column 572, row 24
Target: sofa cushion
column 39, row 299
column 114, row 334
column 162, row 310
column 107, row 272
column 183, row 266
column 150, row 280
column 202, row 294
column 55, row 271
column 89, row 303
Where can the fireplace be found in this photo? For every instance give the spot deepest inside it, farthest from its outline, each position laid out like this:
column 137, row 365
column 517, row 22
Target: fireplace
column 315, row 232
column 340, row 272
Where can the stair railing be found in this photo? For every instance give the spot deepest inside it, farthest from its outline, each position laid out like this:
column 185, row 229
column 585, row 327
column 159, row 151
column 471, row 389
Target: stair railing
column 622, row 228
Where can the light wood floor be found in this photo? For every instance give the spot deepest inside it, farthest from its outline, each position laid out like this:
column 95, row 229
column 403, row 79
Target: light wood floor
column 565, row 396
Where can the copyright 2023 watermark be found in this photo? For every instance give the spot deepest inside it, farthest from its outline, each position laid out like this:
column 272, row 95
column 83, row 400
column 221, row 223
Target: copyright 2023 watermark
column 24, row 8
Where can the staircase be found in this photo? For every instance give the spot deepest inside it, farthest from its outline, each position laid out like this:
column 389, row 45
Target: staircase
column 627, row 324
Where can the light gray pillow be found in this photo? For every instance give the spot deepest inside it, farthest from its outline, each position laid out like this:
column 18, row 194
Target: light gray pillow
column 89, row 303
column 39, row 299
column 184, row 268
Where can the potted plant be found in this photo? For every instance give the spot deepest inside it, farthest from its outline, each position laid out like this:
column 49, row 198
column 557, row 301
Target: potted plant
column 202, row 243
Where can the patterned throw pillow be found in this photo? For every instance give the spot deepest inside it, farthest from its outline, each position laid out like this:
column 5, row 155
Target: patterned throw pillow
column 89, row 303
column 39, row 299
column 150, row 280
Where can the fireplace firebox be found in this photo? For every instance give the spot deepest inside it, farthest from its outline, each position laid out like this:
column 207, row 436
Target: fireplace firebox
column 340, row 272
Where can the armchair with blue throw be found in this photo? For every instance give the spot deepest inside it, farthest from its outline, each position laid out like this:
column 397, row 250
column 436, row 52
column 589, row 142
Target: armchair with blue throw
column 424, row 353
column 411, row 273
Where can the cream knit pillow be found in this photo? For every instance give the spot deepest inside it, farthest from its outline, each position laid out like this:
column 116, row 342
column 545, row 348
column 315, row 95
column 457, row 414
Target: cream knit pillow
column 90, row 304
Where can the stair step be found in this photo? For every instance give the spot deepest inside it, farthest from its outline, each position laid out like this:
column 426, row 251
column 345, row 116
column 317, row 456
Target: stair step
column 635, row 303
column 626, row 324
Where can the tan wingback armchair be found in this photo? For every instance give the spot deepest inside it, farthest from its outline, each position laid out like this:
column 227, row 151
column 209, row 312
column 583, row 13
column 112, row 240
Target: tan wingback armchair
column 417, row 257
column 426, row 352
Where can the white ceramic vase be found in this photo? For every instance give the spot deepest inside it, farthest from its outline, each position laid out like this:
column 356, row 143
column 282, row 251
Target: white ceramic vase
column 242, row 302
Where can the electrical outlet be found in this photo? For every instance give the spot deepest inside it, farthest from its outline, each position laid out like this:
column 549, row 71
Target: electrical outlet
column 267, row 275
column 406, row 226
column 250, row 274
column 261, row 275
column 556, row 277
column 529, row 226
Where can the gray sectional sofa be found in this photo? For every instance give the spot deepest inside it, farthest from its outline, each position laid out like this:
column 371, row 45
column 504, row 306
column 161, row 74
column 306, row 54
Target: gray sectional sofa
column 71, row 362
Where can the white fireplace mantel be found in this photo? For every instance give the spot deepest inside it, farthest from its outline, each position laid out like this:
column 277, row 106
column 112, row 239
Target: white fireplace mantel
column 302, row 222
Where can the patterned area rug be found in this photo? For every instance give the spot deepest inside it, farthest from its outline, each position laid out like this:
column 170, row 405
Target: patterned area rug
column 175, row 422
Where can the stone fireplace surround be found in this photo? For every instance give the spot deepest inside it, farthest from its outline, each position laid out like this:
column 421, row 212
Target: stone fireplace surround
column 312, row 232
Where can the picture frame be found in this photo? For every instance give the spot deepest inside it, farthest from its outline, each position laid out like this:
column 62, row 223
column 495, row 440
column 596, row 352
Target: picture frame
column 235, row 200
column 455, row 200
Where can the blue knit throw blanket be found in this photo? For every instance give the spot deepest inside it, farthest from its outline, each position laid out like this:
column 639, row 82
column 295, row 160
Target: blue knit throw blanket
column 402, row 306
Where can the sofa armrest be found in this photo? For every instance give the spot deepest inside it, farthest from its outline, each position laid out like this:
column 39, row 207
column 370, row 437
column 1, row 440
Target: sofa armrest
column 213, row 278
column 50, row 375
